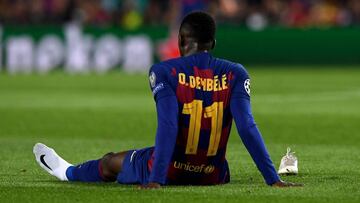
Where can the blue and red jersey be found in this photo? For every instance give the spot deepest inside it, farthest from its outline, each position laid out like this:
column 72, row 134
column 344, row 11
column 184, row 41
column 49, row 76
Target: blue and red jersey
column 194, row 96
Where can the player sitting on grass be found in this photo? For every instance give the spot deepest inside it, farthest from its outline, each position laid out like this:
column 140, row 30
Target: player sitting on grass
column 197, row 96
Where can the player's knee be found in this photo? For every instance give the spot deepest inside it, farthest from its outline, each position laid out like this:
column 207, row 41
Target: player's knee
column 107, row 167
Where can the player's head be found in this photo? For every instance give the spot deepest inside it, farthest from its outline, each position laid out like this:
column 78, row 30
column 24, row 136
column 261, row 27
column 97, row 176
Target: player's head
column 197, row 33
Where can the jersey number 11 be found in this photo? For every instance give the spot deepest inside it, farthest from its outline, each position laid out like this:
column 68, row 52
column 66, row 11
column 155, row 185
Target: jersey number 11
column 196, row 111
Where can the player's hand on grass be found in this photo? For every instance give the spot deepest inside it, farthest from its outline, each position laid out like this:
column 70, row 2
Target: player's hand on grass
column 150, row 186
column 286, row 184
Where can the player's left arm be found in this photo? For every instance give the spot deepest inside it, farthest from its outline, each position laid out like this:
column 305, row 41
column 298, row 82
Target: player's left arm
column 249, row 133
column 167, row 126
column 251, row 137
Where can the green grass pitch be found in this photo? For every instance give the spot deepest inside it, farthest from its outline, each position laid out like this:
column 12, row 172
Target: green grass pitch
column 314, row 110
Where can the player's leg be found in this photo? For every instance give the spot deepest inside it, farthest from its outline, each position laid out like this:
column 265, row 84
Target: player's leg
column 50, row 161
column 104, row 169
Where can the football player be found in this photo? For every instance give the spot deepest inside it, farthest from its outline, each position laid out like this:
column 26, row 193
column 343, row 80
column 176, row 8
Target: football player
column 197, row 97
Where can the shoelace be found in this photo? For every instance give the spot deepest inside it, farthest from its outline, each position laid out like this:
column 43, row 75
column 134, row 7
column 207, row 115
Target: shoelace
column 289, row 158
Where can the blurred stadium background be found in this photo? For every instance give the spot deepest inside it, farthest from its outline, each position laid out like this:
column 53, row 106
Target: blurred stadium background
column 303, row 57
column 99, row 35
column 132, row 13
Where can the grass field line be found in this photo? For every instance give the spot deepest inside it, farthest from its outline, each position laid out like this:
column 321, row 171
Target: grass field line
column 73, row 100
column 313, row 96
column 78, row 101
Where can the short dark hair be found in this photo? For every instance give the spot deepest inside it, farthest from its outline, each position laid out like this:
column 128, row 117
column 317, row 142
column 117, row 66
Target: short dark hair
column 202, row 26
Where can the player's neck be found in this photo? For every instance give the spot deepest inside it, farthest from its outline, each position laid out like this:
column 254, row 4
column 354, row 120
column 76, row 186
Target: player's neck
column 191, row 52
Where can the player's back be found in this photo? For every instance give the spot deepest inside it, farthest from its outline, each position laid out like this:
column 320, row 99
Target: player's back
column 203, row 86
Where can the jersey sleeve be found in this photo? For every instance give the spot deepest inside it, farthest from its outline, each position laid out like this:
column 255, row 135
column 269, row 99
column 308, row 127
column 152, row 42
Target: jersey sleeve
column 241, row 83
column 252, row 139
column 167, row 116
column 249, row 133
column 159, row 83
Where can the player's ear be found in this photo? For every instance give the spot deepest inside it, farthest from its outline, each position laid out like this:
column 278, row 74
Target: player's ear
column 213, row 44
column 182, row 41
column 181, row 44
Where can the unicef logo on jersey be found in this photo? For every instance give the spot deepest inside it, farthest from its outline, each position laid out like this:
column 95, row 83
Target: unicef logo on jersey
column 247, row 86
column 207, row 169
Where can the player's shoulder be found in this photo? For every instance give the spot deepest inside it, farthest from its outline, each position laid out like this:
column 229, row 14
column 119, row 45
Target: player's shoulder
column 167, row 64
column 162, row 71
column 236, row 68
column 240, row 80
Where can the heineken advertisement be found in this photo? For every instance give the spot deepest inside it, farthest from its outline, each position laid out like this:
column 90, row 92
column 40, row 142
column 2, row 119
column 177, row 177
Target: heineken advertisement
column 75, row 49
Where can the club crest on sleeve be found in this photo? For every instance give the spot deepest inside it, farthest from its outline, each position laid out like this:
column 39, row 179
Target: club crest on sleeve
column 152, row 79
column 247, row 86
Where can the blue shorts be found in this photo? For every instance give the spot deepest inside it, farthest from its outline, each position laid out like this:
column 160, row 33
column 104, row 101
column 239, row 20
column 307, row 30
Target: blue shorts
column 135, row 167
column 135, row 170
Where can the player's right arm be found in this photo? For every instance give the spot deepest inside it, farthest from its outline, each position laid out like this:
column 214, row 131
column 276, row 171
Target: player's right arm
column 167, row 125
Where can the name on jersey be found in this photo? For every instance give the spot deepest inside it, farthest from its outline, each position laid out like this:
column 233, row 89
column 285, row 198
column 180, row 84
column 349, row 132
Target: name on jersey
column 206, row 84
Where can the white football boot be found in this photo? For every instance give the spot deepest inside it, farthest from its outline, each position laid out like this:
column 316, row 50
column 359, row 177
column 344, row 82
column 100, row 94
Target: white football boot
column 289, row 164
column 50, row 161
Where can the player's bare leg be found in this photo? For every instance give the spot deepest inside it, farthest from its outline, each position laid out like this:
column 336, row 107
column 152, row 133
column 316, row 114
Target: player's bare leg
column 104, row 169
column 111, row 165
